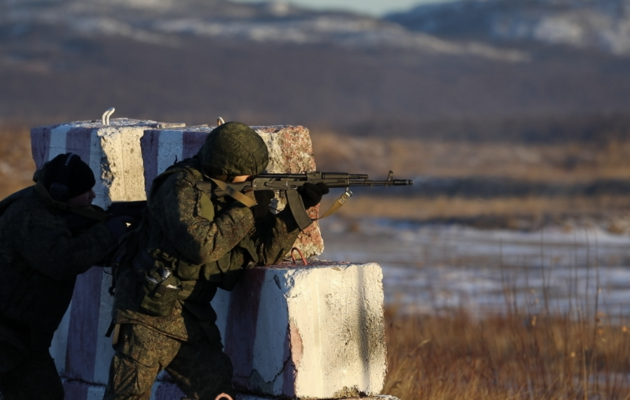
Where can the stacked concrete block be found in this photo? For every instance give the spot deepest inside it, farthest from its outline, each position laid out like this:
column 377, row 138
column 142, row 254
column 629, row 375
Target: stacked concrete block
column 292, row 331
column 312, row 331
column 80, row 348
column 290, row 151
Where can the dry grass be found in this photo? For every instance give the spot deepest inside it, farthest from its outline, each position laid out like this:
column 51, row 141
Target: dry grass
column 514, row 356
column 16, row 161
column 570, row 163
column 519, row 356
column 442, row 207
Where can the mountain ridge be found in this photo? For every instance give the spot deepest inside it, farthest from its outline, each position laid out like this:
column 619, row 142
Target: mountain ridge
column 593, row 24
column 67, row 59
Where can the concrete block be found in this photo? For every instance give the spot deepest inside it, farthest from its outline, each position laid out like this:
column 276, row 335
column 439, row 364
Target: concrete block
column 254, row 397
column 313, row 331
column 290, row 151
column 112, row 151
column 165, row 390
column 80, row 349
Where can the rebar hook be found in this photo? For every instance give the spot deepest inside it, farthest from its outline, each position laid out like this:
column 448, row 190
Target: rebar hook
column 107, row 114
column 300, row 253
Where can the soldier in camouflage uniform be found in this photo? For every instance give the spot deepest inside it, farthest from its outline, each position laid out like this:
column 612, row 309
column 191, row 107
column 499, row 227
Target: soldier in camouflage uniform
column 189, row 244
column 49, row 234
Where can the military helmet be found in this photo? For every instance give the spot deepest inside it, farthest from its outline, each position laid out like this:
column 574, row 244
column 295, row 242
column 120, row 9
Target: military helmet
column 233, row 149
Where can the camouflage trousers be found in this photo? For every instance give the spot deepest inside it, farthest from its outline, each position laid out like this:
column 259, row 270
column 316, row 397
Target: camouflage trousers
column 198, row 366
column 28, row 377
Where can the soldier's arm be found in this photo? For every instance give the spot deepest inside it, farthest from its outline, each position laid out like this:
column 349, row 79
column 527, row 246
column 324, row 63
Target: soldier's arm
column 176, row 206
column 45, row 242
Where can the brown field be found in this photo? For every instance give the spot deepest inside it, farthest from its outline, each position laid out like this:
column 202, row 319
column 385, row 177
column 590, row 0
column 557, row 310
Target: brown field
column 567, row 162
column 516, row 356
column 16, row 161
column 444, row 207
column 573, row 162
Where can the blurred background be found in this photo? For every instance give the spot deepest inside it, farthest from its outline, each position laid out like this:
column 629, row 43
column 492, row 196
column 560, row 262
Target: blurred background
column 524, row 103
column 509, row 115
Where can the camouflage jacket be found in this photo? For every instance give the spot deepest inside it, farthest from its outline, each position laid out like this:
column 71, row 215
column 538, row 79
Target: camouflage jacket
column 206, row 242
column 42, row 250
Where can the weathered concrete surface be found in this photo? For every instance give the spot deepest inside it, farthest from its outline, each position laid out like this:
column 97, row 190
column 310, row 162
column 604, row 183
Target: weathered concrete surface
column 290, row 151
column 163, row 390
column 112, row 151
column 311, row 331
column 379, row 397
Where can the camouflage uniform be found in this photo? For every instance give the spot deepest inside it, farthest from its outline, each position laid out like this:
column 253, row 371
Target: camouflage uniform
column 42, row 250
column 205, row 242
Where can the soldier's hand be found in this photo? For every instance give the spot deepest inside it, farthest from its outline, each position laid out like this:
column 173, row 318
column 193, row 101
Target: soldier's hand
column 263, row 198
column 312, row 193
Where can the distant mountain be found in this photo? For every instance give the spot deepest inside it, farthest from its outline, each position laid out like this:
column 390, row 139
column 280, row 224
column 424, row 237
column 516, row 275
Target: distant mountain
column 584, row 24
column 169, row 22
column 273, row 63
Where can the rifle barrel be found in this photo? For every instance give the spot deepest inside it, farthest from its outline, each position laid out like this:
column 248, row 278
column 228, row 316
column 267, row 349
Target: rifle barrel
column 393, row 182
column 332, row 179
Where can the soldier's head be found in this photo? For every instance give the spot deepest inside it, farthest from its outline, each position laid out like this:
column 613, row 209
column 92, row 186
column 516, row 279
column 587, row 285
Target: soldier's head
column 68, row 179
column 233, row 149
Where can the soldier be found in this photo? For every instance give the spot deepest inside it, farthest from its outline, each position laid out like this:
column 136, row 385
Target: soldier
column 189, row 244
column 49, row 234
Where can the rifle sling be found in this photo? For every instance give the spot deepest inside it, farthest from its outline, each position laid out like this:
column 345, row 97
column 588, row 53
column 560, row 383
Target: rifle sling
column 235, row 194
column 337, row 204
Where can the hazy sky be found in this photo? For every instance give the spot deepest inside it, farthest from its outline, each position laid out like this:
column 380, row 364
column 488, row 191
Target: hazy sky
column 374, row 7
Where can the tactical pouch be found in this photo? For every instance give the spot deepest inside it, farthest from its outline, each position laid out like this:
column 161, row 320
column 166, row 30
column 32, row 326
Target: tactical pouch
column 160, row 289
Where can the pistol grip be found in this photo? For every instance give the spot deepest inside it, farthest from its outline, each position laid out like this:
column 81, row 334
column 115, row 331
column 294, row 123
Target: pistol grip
column 298, row 211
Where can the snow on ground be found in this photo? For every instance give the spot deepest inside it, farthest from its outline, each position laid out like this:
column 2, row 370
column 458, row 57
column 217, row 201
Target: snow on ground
column 429, row 268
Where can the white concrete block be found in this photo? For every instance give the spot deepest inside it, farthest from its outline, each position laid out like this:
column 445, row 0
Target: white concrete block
column 113, row 151
column 313, row 331
column 254, row 397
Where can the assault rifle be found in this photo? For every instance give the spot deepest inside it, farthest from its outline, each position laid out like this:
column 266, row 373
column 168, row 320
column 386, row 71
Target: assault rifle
column 289, row 183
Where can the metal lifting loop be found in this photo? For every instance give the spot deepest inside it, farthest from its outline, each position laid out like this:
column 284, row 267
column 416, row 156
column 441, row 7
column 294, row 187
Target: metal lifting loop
column 300, row 253
column 108, row 114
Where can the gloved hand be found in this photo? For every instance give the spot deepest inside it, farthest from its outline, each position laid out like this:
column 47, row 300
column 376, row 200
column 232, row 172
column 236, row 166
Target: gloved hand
column 117, row 225
column 263, row 198
column 312, row 193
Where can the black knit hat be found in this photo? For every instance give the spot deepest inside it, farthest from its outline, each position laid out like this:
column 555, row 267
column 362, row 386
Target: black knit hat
column 67, row 176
